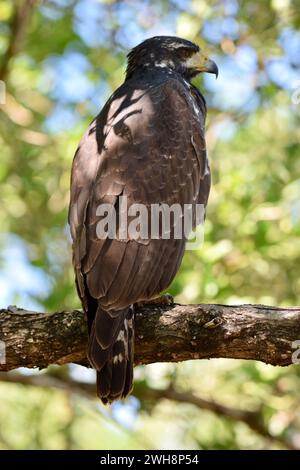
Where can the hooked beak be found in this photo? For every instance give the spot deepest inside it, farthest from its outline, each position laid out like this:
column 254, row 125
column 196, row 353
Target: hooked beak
column 211, row 67
column 201, row 63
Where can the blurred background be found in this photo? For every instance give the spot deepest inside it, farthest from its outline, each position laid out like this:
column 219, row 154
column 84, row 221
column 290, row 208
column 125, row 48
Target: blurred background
column 59, row 62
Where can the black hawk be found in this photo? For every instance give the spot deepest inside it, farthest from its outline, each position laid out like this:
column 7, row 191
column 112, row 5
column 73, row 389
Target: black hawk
column 148, row 145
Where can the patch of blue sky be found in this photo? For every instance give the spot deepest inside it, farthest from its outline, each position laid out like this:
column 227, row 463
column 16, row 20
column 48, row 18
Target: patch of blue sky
column 61, row 118
column 126, row 413
column 230, row 7
column 246, row 58
column 130, row 36
column 51, row 12
column 62, row 3
column 58, row 249
column 212, row 31
column 82, row 374
column 185, row 5
column 282, row 73
column 295, row 211
column 253, row 102
column 100, row 94
column 55, row 9
column 235, row 87
column 67, row 77
column 93, row 23
column 230, row 28
column 136, row 21
column 164, row 26
column 215, row 30
column 289, row 40
column 19, row 280
column 27, row 371
column 142, row 20
column 225, row 129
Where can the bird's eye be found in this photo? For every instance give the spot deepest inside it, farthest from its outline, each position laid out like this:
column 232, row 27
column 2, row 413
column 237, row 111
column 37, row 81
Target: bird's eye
column 184, row 52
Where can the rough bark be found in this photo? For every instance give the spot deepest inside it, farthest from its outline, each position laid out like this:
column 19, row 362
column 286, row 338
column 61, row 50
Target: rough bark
column 163, row 334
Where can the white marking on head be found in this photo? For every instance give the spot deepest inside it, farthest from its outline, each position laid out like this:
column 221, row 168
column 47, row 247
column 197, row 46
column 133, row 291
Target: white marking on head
column 175, row 45
column 164, row 64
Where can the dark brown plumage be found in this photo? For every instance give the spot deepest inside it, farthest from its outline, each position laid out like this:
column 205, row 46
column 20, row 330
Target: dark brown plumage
column 148, row 144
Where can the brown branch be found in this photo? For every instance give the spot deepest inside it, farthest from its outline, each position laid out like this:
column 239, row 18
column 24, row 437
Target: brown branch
column 19, row 21
column 50, row 380
column 253, row 419
column 163, row 334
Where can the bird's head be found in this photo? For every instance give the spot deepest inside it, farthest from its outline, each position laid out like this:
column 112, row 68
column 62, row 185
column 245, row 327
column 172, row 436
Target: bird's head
column 170, row 52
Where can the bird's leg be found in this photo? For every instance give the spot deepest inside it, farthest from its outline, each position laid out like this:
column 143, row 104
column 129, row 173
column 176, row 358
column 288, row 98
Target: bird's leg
column 162, row 299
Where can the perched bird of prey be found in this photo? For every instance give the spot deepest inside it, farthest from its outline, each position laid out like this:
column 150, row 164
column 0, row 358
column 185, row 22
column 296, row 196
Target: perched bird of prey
column 148, row 145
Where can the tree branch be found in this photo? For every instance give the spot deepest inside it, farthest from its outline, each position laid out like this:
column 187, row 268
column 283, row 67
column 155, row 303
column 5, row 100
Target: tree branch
column 19, row 21
column 163, row 334
column 252, row 418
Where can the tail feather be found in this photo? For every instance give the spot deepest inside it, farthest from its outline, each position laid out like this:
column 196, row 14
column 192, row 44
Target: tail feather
column 119, row 367
column 104, row 378
column 129, row 367
column 110, row 352
column 107, row 326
